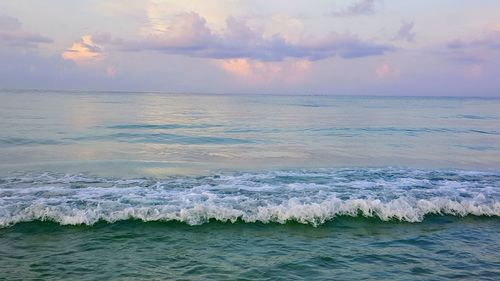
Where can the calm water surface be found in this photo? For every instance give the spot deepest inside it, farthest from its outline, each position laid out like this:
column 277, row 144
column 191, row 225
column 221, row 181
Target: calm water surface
column 140, row 134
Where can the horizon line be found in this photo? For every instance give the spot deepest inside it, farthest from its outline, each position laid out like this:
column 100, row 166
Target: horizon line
column 239, row 94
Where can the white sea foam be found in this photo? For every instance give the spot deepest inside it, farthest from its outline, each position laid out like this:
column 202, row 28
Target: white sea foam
column 309, row 197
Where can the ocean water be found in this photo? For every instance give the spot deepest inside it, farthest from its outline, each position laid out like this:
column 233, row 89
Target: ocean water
column 158, row 186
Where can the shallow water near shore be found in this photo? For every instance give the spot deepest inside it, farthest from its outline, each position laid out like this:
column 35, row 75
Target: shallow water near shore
column 152, row 186
column 438, row 248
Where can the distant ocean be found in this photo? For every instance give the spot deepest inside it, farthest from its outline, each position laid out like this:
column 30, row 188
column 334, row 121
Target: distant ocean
column 158, row 186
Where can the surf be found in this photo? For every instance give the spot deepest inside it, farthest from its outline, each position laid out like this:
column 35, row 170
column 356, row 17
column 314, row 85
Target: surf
column 313, row 197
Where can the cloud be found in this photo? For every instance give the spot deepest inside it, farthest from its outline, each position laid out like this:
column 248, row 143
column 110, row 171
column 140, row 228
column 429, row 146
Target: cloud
column 360, row 7
column 486, row 40
column 111, row 71
column 290, row 28
column 385, row 71
column 85, row 50
column 7, row 23
column 12, row 34
column 474, row 71
column 490, row 40
column 474, row 50
column 289, row 71
column 456, row 44
column 188, row 34
column 24, row 70
column 466, row 56
column 405, row 32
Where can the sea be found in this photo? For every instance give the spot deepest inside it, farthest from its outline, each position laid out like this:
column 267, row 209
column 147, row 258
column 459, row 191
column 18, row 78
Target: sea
column 183, row 186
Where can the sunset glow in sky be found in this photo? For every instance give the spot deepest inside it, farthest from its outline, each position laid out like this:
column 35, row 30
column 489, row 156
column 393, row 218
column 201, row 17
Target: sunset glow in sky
column 344, row 47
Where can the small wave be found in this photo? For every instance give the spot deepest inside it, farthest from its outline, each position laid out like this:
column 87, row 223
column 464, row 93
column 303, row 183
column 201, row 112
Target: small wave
column 357, row 131
column 165, row 138
column 16, row 141
column 475, row 117
column 308, row 196
column 480, row 147
column 163, row 126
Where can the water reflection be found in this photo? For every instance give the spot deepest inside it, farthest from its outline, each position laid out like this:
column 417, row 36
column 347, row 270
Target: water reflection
column 203, row 133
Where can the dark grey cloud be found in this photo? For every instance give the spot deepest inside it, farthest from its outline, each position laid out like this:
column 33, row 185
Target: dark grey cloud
column 360, row 7
column 405, row 32
column 189, row 35
column 12, row 34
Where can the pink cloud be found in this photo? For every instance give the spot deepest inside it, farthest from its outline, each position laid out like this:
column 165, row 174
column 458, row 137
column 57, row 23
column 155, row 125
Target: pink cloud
column 84, row 51
column 111, row 71
column 385, row 71
column 287, row 72
column 474, row 71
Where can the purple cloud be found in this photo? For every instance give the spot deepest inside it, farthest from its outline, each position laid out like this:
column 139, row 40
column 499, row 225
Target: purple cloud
column 490, row 40
column 360, row 7
column 405, row 32
column 9, row 23
column 474, row 50
column 456, row 44
column 487, row 40
column 189, row 35
column 12, row 34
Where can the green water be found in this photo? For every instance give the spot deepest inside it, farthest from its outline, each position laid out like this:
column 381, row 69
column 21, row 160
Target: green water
column 347, row 249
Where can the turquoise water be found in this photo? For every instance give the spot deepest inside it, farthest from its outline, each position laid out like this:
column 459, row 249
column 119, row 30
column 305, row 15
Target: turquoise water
column 439, row 248
column 152, row 186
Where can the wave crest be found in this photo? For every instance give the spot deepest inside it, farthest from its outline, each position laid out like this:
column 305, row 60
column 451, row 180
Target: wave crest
column 402, row 209
column 308, row 197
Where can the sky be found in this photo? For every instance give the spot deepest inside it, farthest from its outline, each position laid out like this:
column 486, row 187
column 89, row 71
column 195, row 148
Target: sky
column 342, row 47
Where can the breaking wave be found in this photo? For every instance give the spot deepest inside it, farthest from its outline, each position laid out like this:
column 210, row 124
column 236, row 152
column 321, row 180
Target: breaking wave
column 304, row 196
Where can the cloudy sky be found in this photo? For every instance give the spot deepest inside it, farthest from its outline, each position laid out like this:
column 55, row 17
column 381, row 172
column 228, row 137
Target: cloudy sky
column 344, row 47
